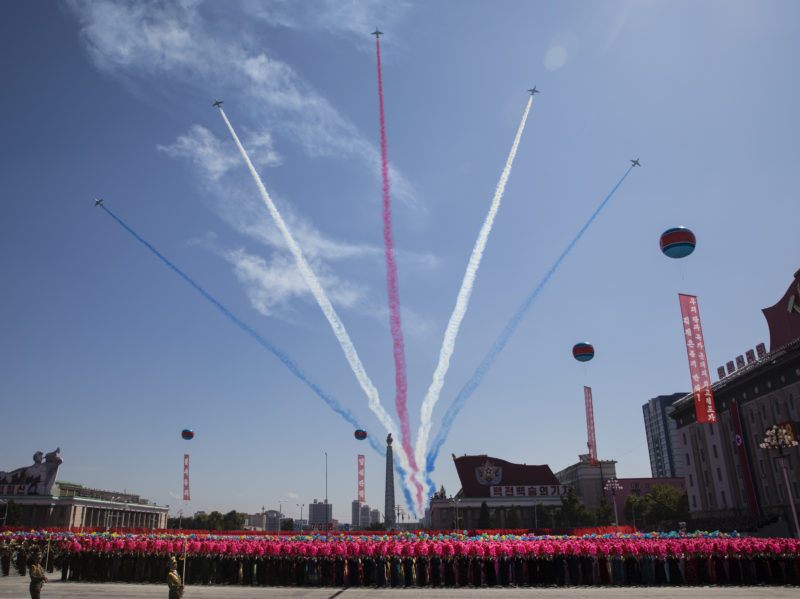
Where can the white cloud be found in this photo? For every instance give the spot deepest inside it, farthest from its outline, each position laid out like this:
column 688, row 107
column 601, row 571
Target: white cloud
column 215, row 158
column 183, row 43
column 277, row 281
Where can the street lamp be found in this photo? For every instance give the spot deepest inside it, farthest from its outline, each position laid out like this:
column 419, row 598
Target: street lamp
column 612, row 484
column 301, row 506
column 779, row 438
column 455, row 501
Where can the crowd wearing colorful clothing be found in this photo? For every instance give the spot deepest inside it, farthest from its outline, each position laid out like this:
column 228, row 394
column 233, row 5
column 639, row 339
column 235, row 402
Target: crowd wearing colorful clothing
column 406, row 559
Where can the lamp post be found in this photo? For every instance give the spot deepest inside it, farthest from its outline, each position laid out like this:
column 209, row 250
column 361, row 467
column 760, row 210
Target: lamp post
column 779, row 438
column 455, row 501
column 612, row 484
column 301, row 506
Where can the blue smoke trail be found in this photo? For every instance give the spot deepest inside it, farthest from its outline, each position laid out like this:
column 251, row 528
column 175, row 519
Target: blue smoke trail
column 480, row 372
column 287, row 361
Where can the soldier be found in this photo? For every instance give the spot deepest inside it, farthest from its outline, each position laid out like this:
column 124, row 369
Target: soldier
column 37, row 576
column 174, row 580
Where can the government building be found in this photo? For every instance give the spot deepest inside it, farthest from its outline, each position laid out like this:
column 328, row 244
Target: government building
column 728, row 475
column 501, row 485
column 45, row 502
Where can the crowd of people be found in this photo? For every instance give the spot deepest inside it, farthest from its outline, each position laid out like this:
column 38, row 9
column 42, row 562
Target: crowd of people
column 404, row 559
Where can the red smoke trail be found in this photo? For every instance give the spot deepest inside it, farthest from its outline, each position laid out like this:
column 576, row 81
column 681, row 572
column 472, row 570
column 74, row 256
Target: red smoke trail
column 394, row 294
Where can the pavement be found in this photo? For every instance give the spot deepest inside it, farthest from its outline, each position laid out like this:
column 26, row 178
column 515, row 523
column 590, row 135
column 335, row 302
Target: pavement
column 16, row 587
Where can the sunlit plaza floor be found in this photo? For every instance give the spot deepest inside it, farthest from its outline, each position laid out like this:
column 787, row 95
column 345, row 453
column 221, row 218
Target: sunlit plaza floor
column 16, row 587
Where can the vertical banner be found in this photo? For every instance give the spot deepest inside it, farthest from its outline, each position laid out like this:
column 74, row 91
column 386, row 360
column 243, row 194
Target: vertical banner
column 698, row 367
column 592, row 443
column 744, row 461
column 361, row 479
column 186, row 496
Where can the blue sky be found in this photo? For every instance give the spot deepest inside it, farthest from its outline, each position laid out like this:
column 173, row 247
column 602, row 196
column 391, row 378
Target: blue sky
column 108, row 353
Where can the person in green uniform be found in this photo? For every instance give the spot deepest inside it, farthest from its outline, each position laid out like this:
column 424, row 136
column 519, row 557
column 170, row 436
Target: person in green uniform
column 174, row 580
column 38, row 577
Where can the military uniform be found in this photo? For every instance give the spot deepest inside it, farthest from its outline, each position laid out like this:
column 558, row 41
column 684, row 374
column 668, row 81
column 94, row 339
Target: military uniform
column 174, row 581
column 37, row 577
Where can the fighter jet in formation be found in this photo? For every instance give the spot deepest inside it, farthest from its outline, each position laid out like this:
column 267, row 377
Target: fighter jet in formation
column 377, row 33
column 533, row 90
column 217, row 103
column 98, row 202
column 635, row 162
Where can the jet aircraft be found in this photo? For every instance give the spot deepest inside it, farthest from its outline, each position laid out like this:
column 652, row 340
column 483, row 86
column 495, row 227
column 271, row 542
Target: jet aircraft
column 635, row 162
column 377, row 32
column 98, row 202
column 217, row 103
column 533, row 90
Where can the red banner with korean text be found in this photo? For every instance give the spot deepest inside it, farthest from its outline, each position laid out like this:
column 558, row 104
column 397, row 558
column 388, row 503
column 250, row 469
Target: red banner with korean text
column 361, row 496
column 592, row 443
column 186, row 496
column 698, row 366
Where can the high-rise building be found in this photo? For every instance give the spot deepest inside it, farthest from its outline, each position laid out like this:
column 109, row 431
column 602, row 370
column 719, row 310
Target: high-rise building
column 364, row 519
column 374, row 516
column 662, row 436
column 355, row 514
column 320, row 515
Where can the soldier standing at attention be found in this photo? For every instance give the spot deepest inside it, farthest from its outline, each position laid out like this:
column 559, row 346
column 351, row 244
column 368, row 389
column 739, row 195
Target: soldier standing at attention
column 174, row 580
column 37, row 576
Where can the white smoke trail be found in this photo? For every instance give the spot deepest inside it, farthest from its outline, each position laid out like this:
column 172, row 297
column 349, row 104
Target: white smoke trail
column 326, row 306
column 460, row 309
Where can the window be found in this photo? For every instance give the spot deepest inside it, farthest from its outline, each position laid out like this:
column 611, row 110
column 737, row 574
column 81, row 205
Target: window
column 724, row 502
column 702, row 455
column 705, row 476
column 761, row 465
column 719, row 474
column 752, row 416
column 711, row 428
column 710, row 499
column 691, row 480
column 684, row 438
column 687, row 460
column 763, row 412
column 714, row 447
column 694, row 500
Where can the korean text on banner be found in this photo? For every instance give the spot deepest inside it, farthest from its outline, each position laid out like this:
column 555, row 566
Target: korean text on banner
column 698, row 366
column 186, row 496
column 361, row 496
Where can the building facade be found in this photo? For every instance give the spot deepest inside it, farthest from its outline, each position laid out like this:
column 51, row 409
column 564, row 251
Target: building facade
column 662, row 436
column 320, row 515
column 728, row 474
column 502, row 486
column 46, row 502
column 588, row 480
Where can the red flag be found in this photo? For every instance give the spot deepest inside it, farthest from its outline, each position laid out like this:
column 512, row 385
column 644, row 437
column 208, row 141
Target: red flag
column 698, row 366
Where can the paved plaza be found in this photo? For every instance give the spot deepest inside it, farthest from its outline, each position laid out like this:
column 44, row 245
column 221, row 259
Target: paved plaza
column 16, row 587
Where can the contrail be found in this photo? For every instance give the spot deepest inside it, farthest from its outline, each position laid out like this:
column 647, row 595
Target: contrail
column 480, row 372
column 324, row 303
column 395, row 326
column 286, row 360
column 462, row 301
